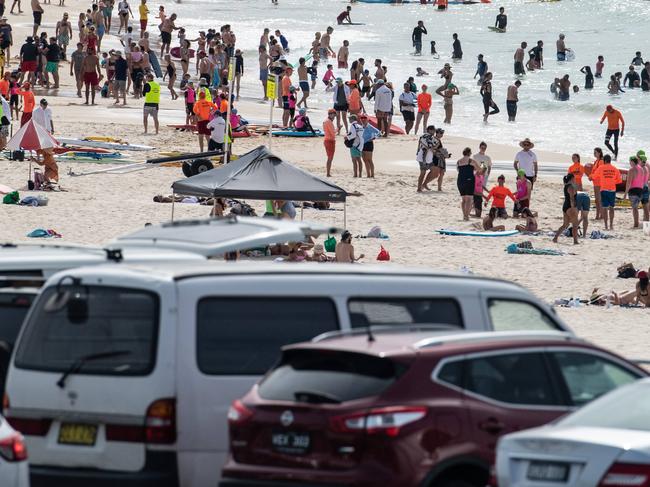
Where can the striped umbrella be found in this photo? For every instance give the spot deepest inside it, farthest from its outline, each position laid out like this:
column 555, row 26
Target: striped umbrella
column 32, row 136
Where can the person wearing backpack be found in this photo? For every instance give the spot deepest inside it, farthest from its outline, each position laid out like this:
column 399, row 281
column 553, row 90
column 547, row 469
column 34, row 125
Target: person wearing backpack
column 354, row 141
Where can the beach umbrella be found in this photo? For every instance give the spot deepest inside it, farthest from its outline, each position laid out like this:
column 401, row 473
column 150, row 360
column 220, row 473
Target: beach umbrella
column 32, row 136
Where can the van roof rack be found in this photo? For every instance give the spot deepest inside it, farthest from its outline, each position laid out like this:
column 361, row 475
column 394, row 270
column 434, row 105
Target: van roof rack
column 379, row 329
column 467, row 337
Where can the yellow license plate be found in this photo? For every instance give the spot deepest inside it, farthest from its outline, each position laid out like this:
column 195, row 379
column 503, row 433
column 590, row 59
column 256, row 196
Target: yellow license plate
column 77, row 434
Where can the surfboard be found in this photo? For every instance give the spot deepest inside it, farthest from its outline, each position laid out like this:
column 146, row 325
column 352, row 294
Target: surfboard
column 394, row 129
column 459, row 233
column 351, row 23
column 155, row 65
column 496, row 29
column 176, row 52
column 103, row 145
column 294, row 133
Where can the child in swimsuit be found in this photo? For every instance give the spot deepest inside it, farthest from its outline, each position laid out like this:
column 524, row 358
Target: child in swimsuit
column 531, row 222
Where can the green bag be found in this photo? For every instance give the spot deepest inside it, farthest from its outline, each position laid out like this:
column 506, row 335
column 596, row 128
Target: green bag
column 330, row 244
column 11, row 198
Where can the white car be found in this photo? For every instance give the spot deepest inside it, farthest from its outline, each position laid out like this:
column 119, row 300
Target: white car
column 14, row 471
column 604, row 444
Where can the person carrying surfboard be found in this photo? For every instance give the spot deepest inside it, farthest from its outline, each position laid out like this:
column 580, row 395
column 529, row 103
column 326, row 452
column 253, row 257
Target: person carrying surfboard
column 344, row 16
column 502, row 20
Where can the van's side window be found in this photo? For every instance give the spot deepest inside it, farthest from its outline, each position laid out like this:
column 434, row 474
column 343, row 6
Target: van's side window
column 244, row 336
column 404, row 311
column 510, row 314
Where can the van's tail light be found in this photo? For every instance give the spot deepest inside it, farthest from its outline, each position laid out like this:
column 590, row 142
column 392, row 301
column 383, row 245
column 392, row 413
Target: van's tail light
column 5, row 402
column 13, row 449
column 238, row 413
column 159, row 426
column 626, row 475
column 30, row 426
column 383, row 421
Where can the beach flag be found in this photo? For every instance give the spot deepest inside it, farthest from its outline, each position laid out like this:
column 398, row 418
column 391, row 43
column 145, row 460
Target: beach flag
column 32, row 136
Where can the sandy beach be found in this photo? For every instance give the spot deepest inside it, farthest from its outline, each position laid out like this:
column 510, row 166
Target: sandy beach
column 96, row 208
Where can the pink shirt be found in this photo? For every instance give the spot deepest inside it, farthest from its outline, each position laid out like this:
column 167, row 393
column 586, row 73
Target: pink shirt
column 479, row 181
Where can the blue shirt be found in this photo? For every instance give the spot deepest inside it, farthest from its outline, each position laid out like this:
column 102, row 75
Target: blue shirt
column 370, row 133
column 284, row 42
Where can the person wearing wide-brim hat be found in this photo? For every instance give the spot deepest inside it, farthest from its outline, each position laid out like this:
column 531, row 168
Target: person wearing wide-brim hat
column 526, row 160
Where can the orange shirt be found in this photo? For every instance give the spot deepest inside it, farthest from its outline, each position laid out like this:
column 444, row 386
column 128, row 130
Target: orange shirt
column 354, row 102
column 424, row 102
column 202, row 109
column 28, row 101
column 4, row 88
column 578, row 170
column 592, row 177
column 286, row 83
column 612, row 119
column 328, row 129
column 609, row 177
column 499, row 193
column 223, row 106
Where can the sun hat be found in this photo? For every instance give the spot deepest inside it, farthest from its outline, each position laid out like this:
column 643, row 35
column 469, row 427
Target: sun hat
column 526, row 141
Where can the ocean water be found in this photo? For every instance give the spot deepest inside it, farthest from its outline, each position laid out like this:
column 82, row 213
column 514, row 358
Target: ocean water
column 614, row 29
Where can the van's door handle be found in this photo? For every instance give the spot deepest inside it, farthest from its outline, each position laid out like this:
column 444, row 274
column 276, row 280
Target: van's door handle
column 492, row 426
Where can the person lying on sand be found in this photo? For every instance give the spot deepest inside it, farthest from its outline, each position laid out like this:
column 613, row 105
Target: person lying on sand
column 640, row 296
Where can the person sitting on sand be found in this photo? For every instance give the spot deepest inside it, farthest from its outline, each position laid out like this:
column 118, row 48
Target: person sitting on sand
column 345, row 250
column 319, row 255
column 488, row 221
column 531, row 222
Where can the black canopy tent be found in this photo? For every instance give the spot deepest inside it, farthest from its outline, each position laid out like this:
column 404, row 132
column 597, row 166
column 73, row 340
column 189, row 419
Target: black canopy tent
column 260, row 175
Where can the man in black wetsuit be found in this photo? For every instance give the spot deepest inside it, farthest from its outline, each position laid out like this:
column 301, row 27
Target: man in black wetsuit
column 645, row 77
column 632, row 78
column 457, row 51
column 416, row 37
column 502, row 20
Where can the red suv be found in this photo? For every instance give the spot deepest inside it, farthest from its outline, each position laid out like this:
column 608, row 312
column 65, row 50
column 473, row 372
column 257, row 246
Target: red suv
column 408, row 409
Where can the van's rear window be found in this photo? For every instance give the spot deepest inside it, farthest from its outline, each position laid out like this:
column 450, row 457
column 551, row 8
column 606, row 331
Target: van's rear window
column 244, row 336
column 121, row 322
column 13, row 309
column 324, row 376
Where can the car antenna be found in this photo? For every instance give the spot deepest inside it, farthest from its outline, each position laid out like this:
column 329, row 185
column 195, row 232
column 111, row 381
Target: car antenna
column 371, row 337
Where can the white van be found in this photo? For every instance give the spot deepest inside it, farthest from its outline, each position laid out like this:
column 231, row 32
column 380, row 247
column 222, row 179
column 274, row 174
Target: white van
column 124, row 374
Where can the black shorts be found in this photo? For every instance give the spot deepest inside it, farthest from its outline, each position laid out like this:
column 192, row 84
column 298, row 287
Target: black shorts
column 368, row 146
column 285, row 102
column 466, row 187
column 408, row 116
column 166, row 37
column 212, row 145
column 478, row 202
column 189, row 108
column 341, row 108
column 512, row 108
column 501, row 213
column 610, row 132
column 13, row 100
column 38, row 16
column 519, row 68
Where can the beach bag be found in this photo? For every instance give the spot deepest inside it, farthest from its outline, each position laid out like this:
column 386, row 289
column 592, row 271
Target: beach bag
column 330, row 244
column 349, row 143
column 383, row 254
column 11, row 198
column 626, row 271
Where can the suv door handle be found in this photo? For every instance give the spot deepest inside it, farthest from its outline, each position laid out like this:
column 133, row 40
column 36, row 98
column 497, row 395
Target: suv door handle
column 492, row 426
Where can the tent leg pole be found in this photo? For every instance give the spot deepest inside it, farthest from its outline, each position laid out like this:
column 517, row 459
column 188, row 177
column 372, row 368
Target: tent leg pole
column 173, row 201
column 214, row 208
column 302, row 210
column 345, row 215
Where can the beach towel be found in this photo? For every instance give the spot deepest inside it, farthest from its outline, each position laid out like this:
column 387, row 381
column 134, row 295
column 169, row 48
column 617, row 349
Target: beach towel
column 515, row 249
column 29, row 201
column 42, row 233
column 597, row 235
column 11, row 198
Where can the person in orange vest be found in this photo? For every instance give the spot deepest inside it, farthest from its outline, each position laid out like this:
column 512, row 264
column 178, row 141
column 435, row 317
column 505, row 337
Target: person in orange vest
column 615, row 127
column 203, row 109
column 28, row 102
column 609, row 176
column 442, row 4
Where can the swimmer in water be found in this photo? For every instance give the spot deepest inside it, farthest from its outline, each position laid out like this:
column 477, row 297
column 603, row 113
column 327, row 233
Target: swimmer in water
column 519, row 59
column 600, row 65
column 420, row 72
column 344, row 17
column 589, row 77
column 502, row 20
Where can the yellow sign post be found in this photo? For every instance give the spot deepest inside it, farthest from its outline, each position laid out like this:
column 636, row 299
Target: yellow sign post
column 271, row 94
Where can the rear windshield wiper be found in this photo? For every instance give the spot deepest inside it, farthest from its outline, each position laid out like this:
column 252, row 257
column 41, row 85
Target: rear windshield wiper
column 316, row 397
column 78, row 364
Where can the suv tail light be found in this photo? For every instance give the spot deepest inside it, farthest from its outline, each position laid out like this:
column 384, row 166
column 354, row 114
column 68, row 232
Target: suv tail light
column 626, row 475
column 13, row 449
column 159, row 426
column 385, row 421
column 238, row 413
column 30, row 426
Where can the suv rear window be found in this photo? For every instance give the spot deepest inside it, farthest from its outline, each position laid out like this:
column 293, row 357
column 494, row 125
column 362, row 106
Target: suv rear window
column 244, row 336
column 404, row 311
column 119, row 320
column 13, row 309
column 328, row 377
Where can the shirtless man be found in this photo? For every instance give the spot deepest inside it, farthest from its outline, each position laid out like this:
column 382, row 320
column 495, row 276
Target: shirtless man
column 37, row 12
column 325, row 49
column 561, row 48
column 166, row 33
column 63, row 34
column 303, row 82
column 379, row 73
column 265, row 63
column 315, row 47
column 205, row 68
column 564, row 88
column 519, row 59
column 512, row 98
column 92, row 74
column 76, row 65
column 344, row 53
column 100, row 26
column 264, row 39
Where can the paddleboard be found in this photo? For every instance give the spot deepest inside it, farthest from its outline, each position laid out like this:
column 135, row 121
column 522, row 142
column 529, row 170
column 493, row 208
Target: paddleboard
column 294, row 133
column 507, row 233
column 103, row 145
column 496, row 29
column 394, row 129
column 352, row 23
column 155, row 65
column 176, row 52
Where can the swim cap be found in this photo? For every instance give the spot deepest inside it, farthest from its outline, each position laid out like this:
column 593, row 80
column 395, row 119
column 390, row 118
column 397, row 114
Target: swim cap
column 302, row 111
column 521, row 172
column 451, row 86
